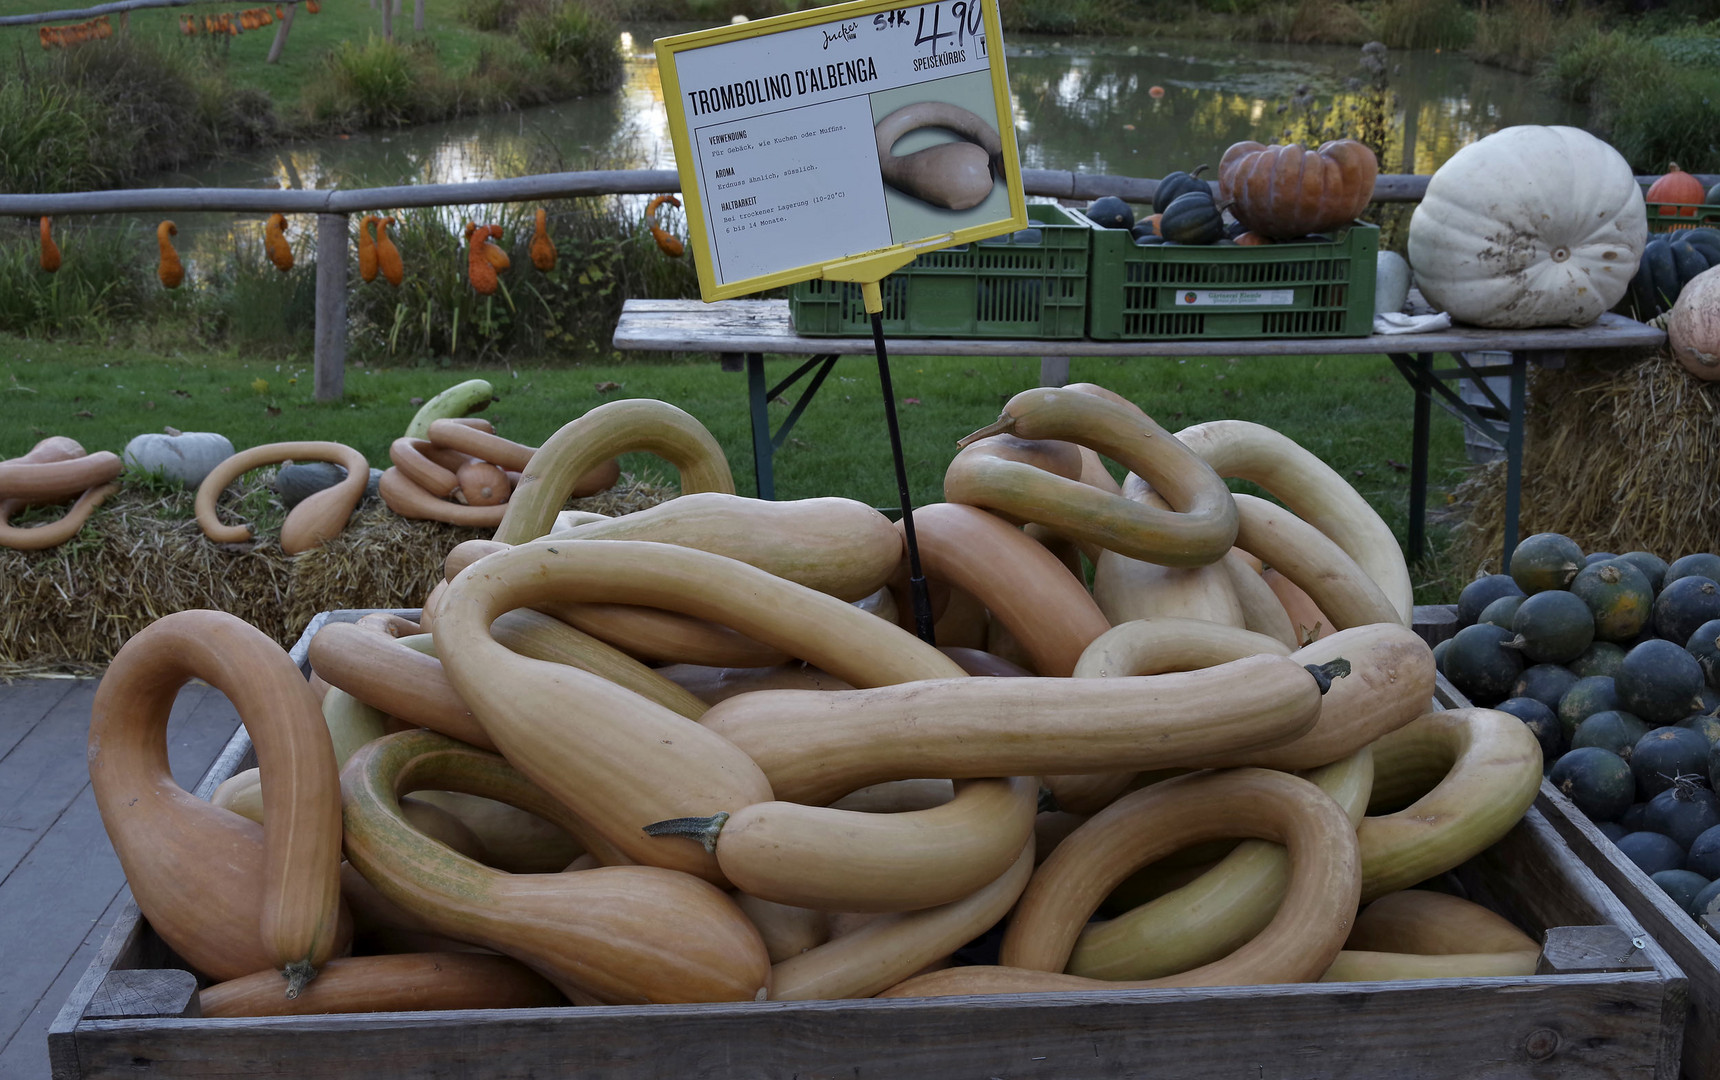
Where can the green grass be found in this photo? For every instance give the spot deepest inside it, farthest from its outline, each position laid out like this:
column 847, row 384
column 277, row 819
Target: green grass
column 1354, row 412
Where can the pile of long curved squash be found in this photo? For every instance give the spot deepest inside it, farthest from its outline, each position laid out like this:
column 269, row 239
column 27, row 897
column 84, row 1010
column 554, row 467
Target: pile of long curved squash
column 692, row 754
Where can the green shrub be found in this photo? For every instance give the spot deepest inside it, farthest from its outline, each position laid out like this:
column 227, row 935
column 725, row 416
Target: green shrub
column 105, row 279
column 570, row 35
column 1425, row 24
column 373, row 84
column 488, row 15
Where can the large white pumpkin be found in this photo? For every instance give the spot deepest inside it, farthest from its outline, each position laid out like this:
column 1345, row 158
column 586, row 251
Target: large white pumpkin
column 1531, row 226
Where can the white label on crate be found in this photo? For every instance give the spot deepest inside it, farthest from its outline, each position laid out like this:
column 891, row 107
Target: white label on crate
column 1234, row 297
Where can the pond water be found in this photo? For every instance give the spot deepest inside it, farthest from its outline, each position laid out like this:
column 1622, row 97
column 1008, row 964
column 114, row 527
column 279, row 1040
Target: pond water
column 1080, row 104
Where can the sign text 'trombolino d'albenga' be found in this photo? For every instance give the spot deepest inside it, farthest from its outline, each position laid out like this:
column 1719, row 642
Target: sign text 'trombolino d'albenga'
column 809, row 138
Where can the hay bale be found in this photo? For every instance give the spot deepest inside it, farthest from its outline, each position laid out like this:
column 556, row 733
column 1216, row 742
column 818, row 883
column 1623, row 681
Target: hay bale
column 1618, row 455
column 142, row 556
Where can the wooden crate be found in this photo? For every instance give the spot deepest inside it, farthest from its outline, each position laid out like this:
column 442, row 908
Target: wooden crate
column 1691, row 947
column 1618, row 1010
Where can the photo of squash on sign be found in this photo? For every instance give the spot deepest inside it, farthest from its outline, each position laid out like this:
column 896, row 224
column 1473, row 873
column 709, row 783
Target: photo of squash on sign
column 942, row 159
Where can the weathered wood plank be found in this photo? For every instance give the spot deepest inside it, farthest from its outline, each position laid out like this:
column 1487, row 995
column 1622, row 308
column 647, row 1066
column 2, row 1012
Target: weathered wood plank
column 24, row 703
column 28, row 1054
column 118, row 950
column 42, row 776
column 1572, row 1026
column 1583, row 949
column 141, row 994
column 763, row 326
column 1683, row 939
column 1435, row 622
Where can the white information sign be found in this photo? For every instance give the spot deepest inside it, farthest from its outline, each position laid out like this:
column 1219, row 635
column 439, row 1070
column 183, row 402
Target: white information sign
column 808, row 139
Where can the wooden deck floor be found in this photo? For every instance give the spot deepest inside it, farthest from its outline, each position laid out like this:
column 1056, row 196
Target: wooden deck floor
column 60, row 882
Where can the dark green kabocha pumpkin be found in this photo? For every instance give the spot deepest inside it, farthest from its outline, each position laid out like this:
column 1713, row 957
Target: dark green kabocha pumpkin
column 1653, row 567
column 1701, row 564
column 1546, row 683
column 1598, row 781
column 1193, row 218
column 1542, row 721
column 1601, row 658
column 1110, row 212
column 1178, row 183
column 1704, row 857
column 1683, row 811
column 1589, row 695
column 1685, row 605
column 1501, row 611
column 1659, row 682
column 1481, row 592
column 1669, row 263
column 1613, row 730
column 1664, row 755
column 1707, row 901
column 1598, row 556
column 1651, row 851
column 1704, row 645
column 1479, row 664
column 1682, row 887
column 1620, row 596
column 1545, row 561
column 1552, row 627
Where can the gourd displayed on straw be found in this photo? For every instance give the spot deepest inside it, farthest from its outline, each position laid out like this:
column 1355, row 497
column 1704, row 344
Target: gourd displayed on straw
column 318, row 518
column 716, row 827
column 54, row 471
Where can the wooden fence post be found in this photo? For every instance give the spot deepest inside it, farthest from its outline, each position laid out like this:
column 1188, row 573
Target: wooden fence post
column 280, row 42
column 332, row 241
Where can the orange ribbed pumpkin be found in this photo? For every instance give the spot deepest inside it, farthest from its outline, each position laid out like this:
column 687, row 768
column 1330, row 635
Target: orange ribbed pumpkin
column 1282, row 192
column 1678, row 188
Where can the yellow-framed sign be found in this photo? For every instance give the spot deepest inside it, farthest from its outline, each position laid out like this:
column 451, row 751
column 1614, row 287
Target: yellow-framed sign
column 842, row 141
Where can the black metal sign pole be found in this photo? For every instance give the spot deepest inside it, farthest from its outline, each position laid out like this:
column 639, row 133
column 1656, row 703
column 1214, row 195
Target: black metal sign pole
column 916, row 577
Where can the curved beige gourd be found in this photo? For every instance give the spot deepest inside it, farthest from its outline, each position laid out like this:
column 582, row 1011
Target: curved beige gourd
column 617, row 759
column 1201, row 530
column 1150, row 647
column 514, row 840
column 544, row 637
column 1309, row 622
column 621, row 934
column 952, row 175
column 486, row 445
column 890, row 948
column 713, row 684
column 1219, row 911
column 242, row 793
column 230, row 897
column 1417, row 934
column 54, row 470
column 787, row 931
column 1128, row 589
column 1313, row 491
column 52, row 533
column 1318, row 566
column 389, row 675
column 409, row 982
column 1023, row 585
column 410, row 501
column 837, row 546
column 1390, row 684
column 851, row 860
column 1491, row 772
column 427, row 465
column 1261, row 610
column 319, row 517
column 817, row 746
column 610, row 430
column 1298, row 945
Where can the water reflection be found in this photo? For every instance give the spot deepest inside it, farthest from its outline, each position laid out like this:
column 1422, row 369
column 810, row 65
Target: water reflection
column 1079, row 103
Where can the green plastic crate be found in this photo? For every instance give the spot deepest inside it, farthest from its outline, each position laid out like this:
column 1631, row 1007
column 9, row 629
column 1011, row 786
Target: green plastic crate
column 1162, row 292
column 1660, row 220
column 997, row 288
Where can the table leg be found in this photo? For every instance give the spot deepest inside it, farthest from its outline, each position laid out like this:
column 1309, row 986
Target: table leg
column 1417, row 370
column 764, row 476
column 1514, row 457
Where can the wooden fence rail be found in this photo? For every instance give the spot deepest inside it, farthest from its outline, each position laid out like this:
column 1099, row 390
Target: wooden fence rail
column 333, row 205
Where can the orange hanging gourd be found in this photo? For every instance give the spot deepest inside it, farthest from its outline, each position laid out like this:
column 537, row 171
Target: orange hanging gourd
column 492, row 251
column 275, row 242
column 667, row 242
column 366, row 249
column 387, row 255
column 478, row 268
column 50, row 250
column 171, row 272
column 312, row 6
column 543, row 248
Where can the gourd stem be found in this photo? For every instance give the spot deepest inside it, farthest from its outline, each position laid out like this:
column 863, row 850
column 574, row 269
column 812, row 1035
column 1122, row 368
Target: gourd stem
column 1003, row 425
column 1325, row 674
column 1048, row 801
column 702, row 829
column 298, row 974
